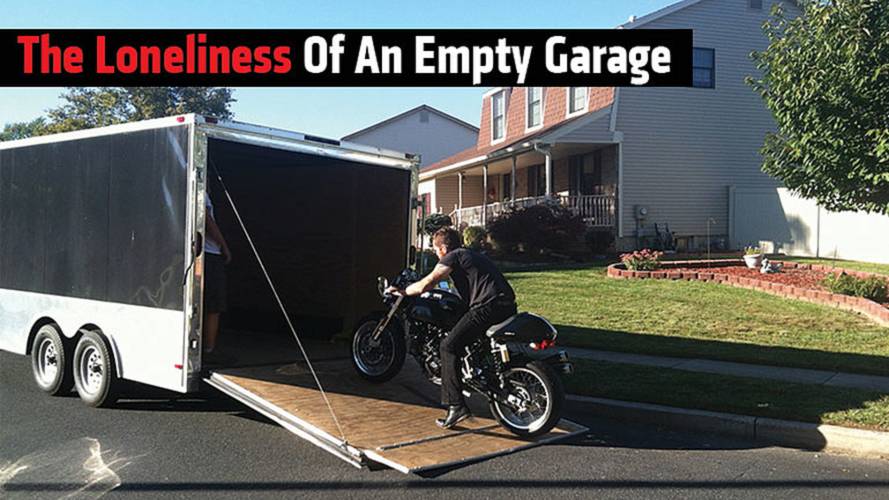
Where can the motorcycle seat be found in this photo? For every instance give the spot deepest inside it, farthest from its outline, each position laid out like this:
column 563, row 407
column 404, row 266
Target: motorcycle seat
column 500, row 329
column 522, row 327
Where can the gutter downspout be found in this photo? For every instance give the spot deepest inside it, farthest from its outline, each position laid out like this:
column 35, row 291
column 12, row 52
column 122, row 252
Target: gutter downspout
column 618, row 137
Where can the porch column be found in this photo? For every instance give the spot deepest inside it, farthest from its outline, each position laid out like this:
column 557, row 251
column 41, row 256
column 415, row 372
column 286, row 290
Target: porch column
column 549, row 172
column 512, row 182
column 546, row 151
column 459, row 198
column 485, row 196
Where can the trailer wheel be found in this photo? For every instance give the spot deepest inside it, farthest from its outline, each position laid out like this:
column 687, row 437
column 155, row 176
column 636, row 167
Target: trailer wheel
column 94, row 375
column 50, row 363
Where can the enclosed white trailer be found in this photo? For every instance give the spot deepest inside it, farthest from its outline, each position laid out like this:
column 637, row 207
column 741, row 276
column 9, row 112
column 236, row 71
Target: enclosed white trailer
column 101, row 231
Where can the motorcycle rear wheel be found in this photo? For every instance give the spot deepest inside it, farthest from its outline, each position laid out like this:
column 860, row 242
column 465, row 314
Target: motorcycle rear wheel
column 537, row 399
column 377, row 361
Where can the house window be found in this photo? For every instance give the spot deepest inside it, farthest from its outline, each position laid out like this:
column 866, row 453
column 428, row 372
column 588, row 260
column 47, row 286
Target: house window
column 756, row 4
column 585, row 174
column 506, row 187
column 576, row 99
column 534, row 111
column 704, row 68
column 536, row 180
column 498, row 115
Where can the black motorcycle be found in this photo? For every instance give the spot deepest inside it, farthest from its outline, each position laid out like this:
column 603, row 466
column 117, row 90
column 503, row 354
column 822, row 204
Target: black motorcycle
column 513, row 366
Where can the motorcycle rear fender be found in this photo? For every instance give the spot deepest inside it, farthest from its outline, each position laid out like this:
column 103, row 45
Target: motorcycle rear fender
column 556, row 358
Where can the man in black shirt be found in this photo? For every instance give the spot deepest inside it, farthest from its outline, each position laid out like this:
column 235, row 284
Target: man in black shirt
column 490, row 298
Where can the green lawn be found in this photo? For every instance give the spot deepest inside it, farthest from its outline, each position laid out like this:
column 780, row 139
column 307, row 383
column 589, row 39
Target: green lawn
column 740, row 395
column 846, row 264
column 703, row 320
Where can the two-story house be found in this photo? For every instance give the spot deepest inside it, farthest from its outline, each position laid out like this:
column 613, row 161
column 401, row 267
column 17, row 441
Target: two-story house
column 627, row 158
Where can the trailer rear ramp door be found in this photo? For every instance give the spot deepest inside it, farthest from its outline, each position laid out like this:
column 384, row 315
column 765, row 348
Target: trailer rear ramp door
column 392, row 424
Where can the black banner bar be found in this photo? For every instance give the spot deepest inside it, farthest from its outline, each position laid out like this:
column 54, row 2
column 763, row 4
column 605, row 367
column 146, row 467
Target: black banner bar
column 336, row 58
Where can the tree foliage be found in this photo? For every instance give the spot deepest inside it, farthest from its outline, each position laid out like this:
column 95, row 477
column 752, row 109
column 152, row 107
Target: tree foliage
column 23, row 130
column 825, row 77
column 100, row 106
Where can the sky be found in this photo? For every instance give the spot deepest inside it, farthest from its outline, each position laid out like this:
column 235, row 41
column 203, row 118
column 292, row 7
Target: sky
column 329, row 112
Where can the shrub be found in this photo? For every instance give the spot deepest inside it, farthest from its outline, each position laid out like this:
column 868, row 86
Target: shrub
column 427, row 260
column 598, row 241
column 642, row 260
column 872, row 288
column 474, row 237
column 436, row 221
column 536, row 229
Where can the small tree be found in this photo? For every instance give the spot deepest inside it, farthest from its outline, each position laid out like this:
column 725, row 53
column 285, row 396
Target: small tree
column 825, row 77
column 97, row 107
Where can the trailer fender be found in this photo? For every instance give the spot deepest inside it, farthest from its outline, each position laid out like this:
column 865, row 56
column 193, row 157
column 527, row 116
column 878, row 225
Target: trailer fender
column 112, row 345
column 35, row 326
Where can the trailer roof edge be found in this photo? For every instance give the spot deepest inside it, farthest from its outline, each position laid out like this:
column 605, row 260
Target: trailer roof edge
column 234, row 126
column 167, row 121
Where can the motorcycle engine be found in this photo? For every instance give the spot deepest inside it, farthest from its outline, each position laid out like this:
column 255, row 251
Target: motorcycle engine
column 428, row 351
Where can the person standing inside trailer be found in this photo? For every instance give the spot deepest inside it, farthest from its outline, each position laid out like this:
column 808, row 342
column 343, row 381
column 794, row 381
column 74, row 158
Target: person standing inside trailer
column 216, row 257
column 490, row 298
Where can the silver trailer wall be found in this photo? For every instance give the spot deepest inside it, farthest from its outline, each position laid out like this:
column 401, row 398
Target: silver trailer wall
column 92, row 232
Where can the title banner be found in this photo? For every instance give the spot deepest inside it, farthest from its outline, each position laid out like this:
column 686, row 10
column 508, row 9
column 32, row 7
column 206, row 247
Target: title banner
column 366, row 58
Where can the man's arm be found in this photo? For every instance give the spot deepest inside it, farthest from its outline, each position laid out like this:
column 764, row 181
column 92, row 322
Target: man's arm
column 215, row 234
column 439, row 273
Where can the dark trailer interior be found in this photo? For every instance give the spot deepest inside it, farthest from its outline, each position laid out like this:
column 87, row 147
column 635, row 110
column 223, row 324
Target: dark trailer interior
column 325, row 229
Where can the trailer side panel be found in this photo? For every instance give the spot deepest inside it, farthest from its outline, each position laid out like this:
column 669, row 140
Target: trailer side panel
column 92, row 232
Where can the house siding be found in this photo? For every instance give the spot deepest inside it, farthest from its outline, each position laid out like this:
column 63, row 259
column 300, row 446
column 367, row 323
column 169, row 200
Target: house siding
column 433, row 139
column 555, row 111
column 447, row 194
column 683, row 147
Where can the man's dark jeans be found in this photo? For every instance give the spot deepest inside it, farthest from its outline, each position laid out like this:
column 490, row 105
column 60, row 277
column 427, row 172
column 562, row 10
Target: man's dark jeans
column 471, row 326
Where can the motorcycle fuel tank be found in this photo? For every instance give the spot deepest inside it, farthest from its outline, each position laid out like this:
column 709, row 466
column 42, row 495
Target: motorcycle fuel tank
column 438, row 307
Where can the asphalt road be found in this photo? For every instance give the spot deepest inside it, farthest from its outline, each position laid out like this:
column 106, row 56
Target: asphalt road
column 210, row 446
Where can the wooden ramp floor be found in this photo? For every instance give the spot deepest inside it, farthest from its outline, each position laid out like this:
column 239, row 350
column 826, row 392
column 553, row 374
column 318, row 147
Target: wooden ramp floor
column 392, row 423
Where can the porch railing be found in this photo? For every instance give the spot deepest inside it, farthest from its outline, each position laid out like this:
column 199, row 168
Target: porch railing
column 596, row 210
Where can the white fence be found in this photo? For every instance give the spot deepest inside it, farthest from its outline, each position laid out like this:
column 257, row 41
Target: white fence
column 596, row 210
column 785, row 223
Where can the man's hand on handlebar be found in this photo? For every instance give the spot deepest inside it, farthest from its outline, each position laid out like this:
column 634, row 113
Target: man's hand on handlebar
column 393, row 290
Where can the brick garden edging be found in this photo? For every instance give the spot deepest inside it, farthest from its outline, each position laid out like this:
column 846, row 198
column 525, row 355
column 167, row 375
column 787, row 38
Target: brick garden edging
column 709, row 271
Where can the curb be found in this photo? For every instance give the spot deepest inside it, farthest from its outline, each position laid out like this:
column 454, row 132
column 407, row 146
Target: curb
column 786, row 433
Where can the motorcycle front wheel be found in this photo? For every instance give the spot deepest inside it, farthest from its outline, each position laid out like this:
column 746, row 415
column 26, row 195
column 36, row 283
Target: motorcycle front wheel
column 377, row 360
column 533, row 400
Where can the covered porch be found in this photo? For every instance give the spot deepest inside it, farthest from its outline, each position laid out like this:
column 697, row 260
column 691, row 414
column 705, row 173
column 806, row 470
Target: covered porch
column 581, row 176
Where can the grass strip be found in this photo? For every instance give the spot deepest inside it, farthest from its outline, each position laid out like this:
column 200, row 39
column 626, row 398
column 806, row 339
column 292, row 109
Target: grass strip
column 738, row 395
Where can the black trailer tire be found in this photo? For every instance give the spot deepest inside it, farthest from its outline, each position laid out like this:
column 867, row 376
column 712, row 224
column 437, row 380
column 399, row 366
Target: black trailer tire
column 551, row 383
column 391, row 340
column 50, row 361
column 95, row 376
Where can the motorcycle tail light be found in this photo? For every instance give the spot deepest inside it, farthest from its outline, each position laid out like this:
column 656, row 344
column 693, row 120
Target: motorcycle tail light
column 543, row 344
